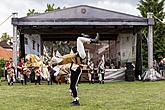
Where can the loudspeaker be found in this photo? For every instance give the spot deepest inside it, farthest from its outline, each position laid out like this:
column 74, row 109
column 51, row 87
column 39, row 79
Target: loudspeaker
column 129, row 75
column 129, row 66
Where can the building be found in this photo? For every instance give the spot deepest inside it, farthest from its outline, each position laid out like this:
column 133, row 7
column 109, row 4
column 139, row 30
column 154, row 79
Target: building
column 67, row 24
column 32, row 44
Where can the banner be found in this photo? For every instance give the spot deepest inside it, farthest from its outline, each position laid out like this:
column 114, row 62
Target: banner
column 114, row 74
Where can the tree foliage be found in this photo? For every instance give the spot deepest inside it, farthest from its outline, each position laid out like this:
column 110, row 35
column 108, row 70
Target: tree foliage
column 156, row 7
column 51, row 7
column 2, row 66
column 32, row 12
column 5, row 37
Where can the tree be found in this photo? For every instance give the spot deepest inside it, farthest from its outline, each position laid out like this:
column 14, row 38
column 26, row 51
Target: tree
column 31, row 12
column 50, row 7
column 156, row 7
column 2, row 67
column 5, row 37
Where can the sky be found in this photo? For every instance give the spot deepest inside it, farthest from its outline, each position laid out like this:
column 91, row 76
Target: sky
column 22, row 6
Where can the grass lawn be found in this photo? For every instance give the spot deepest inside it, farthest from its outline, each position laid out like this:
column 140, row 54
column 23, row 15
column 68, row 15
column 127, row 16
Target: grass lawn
column 109, row 96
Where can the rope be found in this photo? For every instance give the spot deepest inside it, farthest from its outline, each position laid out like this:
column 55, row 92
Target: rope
column 159, row 19
column 5, row 20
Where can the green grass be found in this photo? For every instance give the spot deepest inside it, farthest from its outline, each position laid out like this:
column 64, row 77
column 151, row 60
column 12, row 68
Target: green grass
column 110, row 96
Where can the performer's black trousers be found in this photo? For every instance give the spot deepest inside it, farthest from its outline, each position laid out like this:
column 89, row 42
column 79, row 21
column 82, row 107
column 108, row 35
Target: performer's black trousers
column 25, row 78
column 74, row 81
column 38, row 80
column 51, row 79
column 102, row 76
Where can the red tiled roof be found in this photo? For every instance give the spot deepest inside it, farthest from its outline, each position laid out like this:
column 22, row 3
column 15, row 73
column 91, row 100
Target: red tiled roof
column 5, row 54
column 5, row 45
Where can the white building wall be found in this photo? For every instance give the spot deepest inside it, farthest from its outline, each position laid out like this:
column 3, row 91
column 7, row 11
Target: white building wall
column 29, row 47
column 127, row 47
column 121, row 50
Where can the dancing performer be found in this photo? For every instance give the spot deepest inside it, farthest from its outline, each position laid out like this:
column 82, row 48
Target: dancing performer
column 71, row 63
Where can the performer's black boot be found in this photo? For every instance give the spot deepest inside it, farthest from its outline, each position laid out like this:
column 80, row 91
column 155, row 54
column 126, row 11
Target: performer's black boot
column 39, row 80
column 25, row 81
column 75, row 103
column 60, row 82
column 51, row 82
column 35, row 82
column 22, row 82
column 66, row 82
column 96, row 39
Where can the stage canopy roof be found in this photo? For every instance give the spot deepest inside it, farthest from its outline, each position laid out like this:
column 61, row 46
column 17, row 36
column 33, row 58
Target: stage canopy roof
column 68, row 23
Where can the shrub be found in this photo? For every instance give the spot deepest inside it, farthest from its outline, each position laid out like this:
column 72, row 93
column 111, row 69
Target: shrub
column 2, row 67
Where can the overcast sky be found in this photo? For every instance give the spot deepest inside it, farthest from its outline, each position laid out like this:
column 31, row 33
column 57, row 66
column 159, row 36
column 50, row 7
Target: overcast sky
column 22, row 6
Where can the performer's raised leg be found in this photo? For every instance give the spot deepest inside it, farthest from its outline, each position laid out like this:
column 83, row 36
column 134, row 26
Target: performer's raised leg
column 80, row 44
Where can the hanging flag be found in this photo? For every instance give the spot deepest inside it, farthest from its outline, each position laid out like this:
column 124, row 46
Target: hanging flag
column 57, row 54
column 45, row 52
column 89, row 58
column 103, row 59
column 71, row 51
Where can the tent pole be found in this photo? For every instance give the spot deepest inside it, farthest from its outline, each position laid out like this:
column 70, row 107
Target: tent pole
column 150, row 40
column 15, row 44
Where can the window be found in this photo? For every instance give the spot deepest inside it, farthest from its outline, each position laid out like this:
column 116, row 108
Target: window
column 38, row 47
column 33, row 44
column 26, row 41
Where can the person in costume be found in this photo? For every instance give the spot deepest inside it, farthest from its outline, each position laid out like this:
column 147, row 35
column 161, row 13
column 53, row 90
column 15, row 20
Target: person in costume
column 31, row 61
column 91, row 72
column 37, row 75
column 101, row 71
column 20, row 67
column 10, row 71
column 51, row 76
column 71, row 63
column 38, row 67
